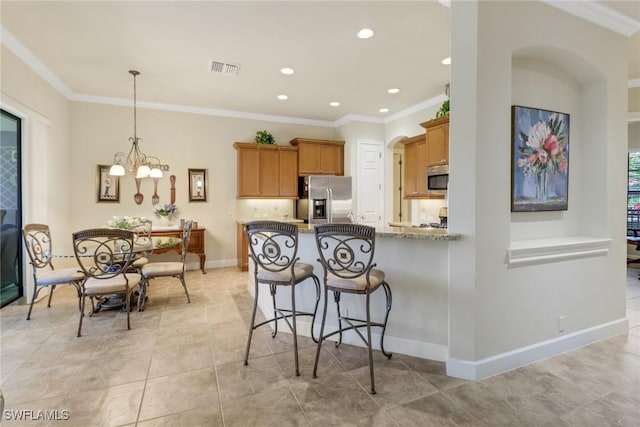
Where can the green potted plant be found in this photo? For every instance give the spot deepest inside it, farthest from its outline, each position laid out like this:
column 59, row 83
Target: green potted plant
column 264, row 137
column 444, row 110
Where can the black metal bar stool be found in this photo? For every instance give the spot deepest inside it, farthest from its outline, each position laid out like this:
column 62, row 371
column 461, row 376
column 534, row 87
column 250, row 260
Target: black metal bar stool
column 273, row 249
column 346, row 254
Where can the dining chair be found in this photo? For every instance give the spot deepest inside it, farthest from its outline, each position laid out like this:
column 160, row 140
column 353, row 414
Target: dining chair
column 273, row 249
column 167, row 269
column 105, row 256
column 38, row 244
column 142, row 243
column 346, row 255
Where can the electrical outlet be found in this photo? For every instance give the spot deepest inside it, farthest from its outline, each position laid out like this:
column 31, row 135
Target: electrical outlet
column 562, row 320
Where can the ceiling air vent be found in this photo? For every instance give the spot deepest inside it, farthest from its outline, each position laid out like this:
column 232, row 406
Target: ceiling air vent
column 224, row 68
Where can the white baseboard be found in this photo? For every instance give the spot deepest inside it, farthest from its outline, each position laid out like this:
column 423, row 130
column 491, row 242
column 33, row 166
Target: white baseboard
column 218, row 263
column 476, row 370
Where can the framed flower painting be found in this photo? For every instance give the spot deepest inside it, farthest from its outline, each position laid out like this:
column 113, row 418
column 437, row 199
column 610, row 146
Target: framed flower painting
column 540, row 160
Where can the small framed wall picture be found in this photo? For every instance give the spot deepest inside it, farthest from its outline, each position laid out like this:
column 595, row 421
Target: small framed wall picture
column 108, row 187
column 197, row 185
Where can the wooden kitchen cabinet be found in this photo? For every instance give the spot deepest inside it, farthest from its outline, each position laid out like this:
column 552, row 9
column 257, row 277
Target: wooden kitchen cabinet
column 248, row 171
column 415, row 169
column 266, row 171
column 242, row 248
column 437, row 141
column 288, row 172
column 319, row 156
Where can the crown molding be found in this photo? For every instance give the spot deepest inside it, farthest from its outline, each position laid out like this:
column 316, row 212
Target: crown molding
column 431, row 102
column 93, row 99
column 633, row 83
column 598, row 14
column 634, row 116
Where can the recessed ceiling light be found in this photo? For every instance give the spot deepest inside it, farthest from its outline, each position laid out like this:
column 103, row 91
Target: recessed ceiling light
column 446, row 61
column 283, row 97
column 365, row 33
column 384, row 110
column 393, row 90
column 334, row 104
column 287, row 71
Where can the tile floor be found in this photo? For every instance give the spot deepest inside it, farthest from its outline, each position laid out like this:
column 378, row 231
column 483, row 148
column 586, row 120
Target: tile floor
column 181, row 365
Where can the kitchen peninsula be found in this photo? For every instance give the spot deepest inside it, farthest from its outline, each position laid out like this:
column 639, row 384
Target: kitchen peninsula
column 416, row 263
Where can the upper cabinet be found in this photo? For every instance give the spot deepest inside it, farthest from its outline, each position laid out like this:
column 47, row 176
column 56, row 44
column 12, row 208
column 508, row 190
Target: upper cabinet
column 319, row 156
column 415, row 169
column 267, row 170
column 437, row 141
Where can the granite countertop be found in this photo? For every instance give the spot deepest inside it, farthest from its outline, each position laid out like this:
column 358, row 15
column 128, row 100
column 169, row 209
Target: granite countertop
column 422, row 233
column 291, row 220
column 399, row 232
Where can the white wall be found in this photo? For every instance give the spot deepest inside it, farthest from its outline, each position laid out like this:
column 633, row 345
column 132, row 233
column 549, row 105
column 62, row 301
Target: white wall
column 634, row 136
column 24, row 91
column 495, row 308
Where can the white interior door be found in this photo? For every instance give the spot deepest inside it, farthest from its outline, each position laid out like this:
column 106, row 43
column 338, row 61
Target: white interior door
column 370, row 194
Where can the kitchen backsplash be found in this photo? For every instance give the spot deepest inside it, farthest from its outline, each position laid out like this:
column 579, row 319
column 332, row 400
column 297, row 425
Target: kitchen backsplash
column 264, row 208
column 427, row 211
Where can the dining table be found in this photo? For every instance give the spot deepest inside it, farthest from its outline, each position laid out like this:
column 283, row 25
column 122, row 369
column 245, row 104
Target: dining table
column 140, row 250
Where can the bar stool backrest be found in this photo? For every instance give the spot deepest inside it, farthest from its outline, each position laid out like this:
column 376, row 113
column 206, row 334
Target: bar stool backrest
column 346, row 250
column 273, row 244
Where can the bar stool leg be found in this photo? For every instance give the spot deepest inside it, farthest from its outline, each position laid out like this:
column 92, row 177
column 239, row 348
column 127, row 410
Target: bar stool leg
column 321, row 337
column 373, row 385
column 294, row 327
column 53, row 288
column 336, row 297
column 315, row 309
column 387, row 292
column 273, row 288
column 253, row 321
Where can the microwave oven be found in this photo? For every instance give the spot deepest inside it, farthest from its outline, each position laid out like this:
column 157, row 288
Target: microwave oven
column 437, row 180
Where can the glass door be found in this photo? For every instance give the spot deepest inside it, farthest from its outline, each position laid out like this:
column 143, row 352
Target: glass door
column 10, row 208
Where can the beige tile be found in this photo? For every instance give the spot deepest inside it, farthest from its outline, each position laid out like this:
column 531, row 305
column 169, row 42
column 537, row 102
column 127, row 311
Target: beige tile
column 29, row 384
column 395, row 383
column 111, row 371
column 327, row 364
column 272, row 407
column 206, row 416
column 352, row 357
column 432, row 371
column 178, row 393
column 172, row 359
column 236, row 380
column 602, row 413
column 334, row 398
column 438, row 409
column 176, row 348
column 32, row 413
column 111, row 406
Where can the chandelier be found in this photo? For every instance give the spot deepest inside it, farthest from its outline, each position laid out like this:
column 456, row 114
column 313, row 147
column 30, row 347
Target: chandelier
column 136, row 162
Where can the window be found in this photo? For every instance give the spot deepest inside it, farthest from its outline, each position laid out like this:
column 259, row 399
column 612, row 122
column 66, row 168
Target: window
column 633, row 191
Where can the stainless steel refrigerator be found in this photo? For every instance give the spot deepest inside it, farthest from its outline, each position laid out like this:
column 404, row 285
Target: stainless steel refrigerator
column 325, row 198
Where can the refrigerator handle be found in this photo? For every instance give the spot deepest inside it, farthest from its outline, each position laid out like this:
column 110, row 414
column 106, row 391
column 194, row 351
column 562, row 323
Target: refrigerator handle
column 329, row 205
